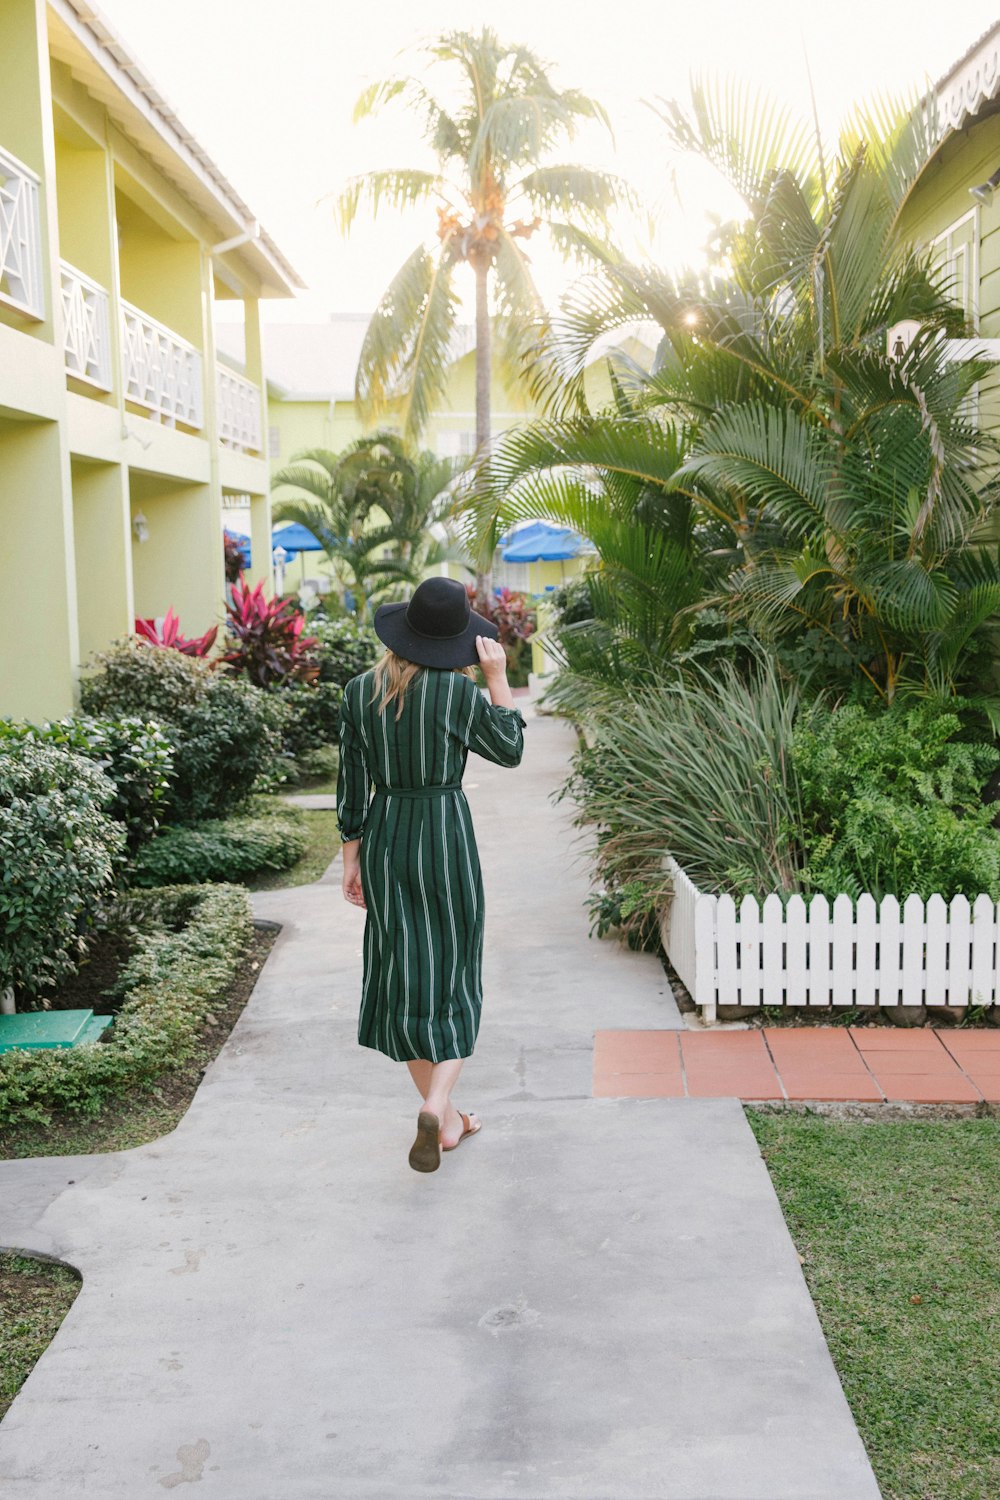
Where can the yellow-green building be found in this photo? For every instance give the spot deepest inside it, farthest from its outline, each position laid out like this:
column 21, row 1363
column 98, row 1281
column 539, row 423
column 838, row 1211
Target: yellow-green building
column 121, row 435
column 954, row 206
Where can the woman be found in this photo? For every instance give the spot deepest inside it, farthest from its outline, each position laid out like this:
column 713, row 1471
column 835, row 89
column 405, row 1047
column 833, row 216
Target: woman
column 410, row 855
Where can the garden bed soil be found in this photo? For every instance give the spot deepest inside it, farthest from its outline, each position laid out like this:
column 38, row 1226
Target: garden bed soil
column 145, row 1114
column 35, row 1296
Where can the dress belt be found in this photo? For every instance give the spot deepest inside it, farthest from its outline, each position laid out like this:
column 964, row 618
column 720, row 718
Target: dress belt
column 417, row 791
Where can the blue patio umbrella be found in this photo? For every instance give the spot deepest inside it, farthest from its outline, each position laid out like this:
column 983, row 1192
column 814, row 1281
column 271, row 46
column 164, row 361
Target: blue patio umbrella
column 542, row 541
column 243, row 542
column 294, row 538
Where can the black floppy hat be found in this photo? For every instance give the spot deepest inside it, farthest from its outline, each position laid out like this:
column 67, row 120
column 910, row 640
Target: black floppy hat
column 437, row 628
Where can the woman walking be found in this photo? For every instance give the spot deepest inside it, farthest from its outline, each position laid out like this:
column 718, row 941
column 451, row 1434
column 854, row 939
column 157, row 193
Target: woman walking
column 410, row 857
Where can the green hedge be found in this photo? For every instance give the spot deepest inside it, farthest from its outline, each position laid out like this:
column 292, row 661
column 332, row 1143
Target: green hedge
column 173, row 982
column 223, row 849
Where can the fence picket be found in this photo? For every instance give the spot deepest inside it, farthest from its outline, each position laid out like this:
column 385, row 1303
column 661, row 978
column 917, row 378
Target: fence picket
column 727, row 978
column 889, row 938
column 819, row 951
column 936, row 951
column 865, row 945
column 843, row 951
column 913, row 950
column 749, row 935
column 704, row 947
column 796, row 952
column 771, row 946
column 959, row 951
column 984, row 930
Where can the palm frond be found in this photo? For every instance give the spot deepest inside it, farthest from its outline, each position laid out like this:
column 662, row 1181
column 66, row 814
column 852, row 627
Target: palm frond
column 396, row 188
column 405, row 354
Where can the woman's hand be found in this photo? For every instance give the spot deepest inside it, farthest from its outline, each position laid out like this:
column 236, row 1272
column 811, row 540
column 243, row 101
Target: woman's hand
column 493, row 661
column 351, row 883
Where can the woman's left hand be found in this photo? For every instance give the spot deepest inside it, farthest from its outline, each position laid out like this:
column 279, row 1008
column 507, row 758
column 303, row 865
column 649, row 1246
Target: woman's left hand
column 352, row 876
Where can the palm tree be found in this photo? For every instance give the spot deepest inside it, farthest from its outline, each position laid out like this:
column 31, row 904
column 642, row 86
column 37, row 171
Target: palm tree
column 853, row 487
column 493, row 189
column 338, row 516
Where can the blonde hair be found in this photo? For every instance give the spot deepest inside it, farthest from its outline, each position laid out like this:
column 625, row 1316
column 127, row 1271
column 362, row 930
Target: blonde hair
column 393, row 675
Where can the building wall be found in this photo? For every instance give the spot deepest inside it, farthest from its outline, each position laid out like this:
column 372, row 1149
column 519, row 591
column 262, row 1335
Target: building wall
column 82, row 452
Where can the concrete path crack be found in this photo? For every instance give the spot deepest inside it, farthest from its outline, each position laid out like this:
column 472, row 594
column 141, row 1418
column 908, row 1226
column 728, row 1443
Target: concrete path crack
column 595, row 1300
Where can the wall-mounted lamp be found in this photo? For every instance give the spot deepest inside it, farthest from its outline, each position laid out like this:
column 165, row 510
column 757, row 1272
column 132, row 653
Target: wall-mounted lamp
column 984, row 190
column 140, row 527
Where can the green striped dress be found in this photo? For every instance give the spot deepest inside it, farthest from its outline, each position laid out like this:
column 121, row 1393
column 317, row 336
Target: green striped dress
column 399, row 791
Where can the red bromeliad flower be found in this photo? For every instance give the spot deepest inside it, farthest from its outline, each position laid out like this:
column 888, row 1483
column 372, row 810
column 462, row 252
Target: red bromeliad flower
column 167, row 634
column 266, row 636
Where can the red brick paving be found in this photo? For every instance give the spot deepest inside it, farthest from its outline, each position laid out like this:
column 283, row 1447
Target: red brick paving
column 919, row 1065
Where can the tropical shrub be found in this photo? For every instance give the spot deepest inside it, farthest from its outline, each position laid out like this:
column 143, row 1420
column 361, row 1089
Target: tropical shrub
column 225, row 734
column 233, row 558
column 344, row 648
column 892, row 802
column 265, row 640
column 179, row 974
column 229, row 849
column 515, row 618
column 59, row 855
column 135, row 754
column 167, row 634
column 699, row 768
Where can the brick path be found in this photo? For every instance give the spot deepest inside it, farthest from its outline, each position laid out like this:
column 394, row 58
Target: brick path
column 850, row 1063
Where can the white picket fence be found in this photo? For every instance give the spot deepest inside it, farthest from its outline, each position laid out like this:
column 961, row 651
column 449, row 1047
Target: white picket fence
column 799, row 953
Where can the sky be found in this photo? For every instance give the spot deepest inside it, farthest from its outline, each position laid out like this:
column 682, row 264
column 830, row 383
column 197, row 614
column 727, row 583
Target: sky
column 269, row 89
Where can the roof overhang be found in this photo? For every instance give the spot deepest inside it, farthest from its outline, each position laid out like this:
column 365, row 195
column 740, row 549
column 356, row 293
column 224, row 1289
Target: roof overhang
column 99, row 59
column 971, row 85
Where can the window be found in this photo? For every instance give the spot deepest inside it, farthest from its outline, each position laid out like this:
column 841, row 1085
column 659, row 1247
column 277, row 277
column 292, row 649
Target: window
column 452, row 443
column 956, row 250
column 274, row 442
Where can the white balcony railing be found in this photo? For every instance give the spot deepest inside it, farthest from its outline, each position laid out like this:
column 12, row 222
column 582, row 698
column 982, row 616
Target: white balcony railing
column 20, row 238
column 238, row 410
column 87, row 338
column 161, row 371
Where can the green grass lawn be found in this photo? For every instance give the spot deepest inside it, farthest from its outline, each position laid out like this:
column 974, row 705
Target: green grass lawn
column 320, row 850
column 35, row 1296
column 898, row 1224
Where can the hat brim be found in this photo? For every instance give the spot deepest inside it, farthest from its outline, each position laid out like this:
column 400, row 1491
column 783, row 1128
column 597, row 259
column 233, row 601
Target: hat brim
column 392, row 629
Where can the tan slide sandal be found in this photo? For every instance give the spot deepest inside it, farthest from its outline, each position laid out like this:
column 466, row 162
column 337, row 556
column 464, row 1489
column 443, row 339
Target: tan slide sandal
column 425, row 1153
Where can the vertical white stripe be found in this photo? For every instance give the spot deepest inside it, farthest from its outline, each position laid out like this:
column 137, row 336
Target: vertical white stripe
column 423, row 717
column 430, row 945
column 447, row 729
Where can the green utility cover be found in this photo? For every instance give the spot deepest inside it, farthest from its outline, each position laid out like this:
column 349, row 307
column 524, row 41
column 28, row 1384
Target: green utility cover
column 50, row 1028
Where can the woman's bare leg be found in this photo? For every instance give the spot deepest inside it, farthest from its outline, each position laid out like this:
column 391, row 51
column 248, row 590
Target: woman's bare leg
column 420, row 1072
column 437, row 1100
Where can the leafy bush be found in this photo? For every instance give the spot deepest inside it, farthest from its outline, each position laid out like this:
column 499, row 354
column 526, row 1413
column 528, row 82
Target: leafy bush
column 136, row 755
column 266, row 643
column 573, row 603
column 172, row 984
column 343, row 648
column 892, row 803
column 226, row 734
column 59, row 854
column 231, row 849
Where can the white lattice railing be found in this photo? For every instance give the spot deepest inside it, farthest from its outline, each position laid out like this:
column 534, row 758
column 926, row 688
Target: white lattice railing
column 859, row 953
column 20, row 238
column 87, row 336
column 238, row 410
column 161, row 371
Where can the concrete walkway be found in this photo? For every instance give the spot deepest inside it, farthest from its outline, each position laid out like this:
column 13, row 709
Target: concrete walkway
column 597, row 1299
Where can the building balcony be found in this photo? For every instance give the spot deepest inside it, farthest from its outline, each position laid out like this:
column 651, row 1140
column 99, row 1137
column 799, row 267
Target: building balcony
column 161, row 371
column 21, row 284
column 87, row 337
column 238, row 411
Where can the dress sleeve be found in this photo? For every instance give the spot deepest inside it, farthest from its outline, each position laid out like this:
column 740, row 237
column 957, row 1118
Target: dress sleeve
column 495, row 733
column 353, row 779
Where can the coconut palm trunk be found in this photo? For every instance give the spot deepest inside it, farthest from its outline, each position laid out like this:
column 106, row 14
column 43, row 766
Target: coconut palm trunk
column 484, row 369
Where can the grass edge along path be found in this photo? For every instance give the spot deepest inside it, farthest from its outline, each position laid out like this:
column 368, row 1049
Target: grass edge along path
column 35, row 1296
column 897, row 1224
